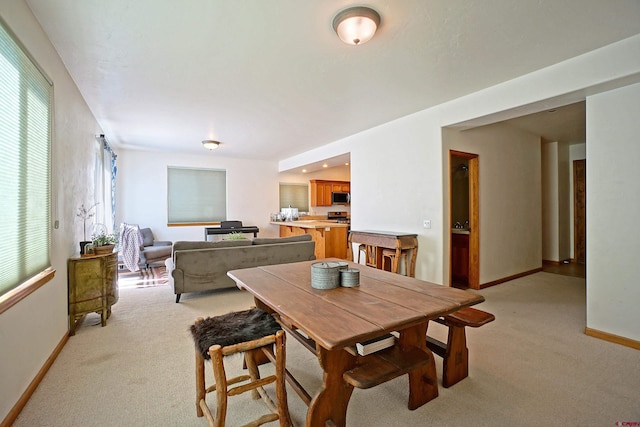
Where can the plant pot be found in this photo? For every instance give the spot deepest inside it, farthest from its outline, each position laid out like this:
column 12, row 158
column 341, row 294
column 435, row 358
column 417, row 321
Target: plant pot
column 102, row 250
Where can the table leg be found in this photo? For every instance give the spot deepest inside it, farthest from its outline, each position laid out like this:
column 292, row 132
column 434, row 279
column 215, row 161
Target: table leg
column 423, row 381
column 396, row 261
column 414, row 255
column 329, row 406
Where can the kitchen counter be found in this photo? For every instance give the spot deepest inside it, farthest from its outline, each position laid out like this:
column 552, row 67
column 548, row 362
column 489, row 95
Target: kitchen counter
column 460, row 231
column 311, row 223
column 330, row 237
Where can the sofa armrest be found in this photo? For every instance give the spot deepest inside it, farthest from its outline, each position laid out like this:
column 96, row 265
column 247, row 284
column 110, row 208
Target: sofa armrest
column 162, row 243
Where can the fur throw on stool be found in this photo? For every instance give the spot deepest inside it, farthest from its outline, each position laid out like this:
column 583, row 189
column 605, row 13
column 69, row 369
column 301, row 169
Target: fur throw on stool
column 233, row 328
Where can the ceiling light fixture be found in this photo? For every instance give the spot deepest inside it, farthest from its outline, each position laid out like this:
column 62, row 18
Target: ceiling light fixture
column 356, row 25
column 210, row 144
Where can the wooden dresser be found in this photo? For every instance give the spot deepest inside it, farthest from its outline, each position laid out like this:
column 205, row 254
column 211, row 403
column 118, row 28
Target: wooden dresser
column 93, row 287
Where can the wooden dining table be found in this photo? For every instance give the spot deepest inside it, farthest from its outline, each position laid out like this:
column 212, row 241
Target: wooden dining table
column 331, row 321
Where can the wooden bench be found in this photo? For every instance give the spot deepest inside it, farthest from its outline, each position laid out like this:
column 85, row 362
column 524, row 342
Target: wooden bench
column 372, row 370
column 455, row 353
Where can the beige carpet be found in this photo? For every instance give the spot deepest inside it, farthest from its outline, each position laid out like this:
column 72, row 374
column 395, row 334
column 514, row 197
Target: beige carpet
column 152, row 276
column 533, row 366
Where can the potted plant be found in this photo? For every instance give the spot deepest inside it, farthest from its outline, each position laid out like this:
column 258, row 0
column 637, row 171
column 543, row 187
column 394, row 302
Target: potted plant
column 103, row 242
column 235, row 236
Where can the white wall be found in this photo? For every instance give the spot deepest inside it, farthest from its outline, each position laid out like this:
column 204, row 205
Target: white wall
column 557, row 221
column 509, row 198
column 31, row 329
column 550, row 220
column 565, row 220
column 613, row 204
column 141, row 182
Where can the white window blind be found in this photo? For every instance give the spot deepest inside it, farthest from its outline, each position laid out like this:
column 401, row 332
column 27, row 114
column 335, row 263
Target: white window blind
column 25, row 139
column 196, row 195
column 294, row 195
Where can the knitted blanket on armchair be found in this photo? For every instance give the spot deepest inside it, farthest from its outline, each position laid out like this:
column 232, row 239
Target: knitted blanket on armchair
column 130, row 242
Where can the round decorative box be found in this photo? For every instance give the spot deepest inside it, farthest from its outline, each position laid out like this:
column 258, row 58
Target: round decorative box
column 325, row 275
column 350, row 277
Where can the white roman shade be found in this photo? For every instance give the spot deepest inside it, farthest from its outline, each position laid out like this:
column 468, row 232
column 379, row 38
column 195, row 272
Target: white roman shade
column 25, row 140
column 196, row 195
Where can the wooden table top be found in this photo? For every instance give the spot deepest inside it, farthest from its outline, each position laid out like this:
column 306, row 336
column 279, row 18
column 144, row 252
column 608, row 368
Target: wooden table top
column 337, row 318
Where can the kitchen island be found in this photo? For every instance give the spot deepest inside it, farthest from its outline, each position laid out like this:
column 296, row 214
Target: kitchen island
column 330, row 237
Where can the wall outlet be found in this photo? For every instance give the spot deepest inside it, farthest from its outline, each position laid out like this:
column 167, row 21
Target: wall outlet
column 426, row 223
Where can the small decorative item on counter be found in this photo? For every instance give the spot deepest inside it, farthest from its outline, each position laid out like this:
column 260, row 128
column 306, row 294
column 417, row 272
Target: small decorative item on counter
column 325, row 275
column 88, row 249
column 349, row 277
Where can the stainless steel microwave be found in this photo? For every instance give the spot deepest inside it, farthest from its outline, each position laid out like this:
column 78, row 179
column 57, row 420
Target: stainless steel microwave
column 340, row 198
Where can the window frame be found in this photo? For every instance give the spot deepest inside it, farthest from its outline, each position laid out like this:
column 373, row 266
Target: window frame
column 36, row 277
column 294, row 184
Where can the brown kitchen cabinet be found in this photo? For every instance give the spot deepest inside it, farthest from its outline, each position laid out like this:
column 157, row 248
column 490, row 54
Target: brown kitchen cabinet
column 460, row 259
column 330, row 238
column 92, row 287
column 321, row 191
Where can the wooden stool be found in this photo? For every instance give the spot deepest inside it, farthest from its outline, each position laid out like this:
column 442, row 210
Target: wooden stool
column 253, row 332
column 390, row 254
column 372, row 256
column 362, row 248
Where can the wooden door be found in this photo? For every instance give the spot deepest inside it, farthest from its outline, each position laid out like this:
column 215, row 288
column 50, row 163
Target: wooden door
column 579, row 211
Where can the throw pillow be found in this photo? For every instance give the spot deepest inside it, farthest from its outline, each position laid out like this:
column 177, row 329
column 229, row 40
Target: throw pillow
column 274, row 240
column 147, row 237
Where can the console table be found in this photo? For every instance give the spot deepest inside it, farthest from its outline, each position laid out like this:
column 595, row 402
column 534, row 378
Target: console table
column 208, row 231
column 389, row 240
column 92, row 286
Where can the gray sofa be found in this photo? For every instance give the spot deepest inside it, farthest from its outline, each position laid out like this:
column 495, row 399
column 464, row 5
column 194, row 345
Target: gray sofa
column 201, row 266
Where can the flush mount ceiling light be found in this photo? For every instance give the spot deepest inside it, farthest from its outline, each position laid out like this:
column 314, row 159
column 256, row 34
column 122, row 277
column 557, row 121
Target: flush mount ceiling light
column 356, row 25
column 210, row 144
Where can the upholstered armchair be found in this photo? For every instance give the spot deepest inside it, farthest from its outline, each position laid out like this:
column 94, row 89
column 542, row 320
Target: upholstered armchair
column 153, row 250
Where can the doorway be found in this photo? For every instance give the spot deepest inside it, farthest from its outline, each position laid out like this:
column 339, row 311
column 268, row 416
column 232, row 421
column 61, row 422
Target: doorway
column 464, row 222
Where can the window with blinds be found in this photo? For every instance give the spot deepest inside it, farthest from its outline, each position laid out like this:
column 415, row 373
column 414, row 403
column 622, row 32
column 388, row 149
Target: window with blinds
column 25, row 140
column 196, row 195
column 294, row 195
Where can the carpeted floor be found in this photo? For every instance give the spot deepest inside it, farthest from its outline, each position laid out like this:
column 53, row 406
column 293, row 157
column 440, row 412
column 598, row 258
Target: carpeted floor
column 152, row 276
column 533, row 366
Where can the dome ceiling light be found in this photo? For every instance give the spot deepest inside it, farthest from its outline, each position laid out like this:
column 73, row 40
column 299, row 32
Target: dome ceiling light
column 356, row 25
column 210, row 144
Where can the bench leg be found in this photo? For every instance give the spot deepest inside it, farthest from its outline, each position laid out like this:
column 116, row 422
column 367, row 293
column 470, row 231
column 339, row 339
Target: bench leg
column 456, row 358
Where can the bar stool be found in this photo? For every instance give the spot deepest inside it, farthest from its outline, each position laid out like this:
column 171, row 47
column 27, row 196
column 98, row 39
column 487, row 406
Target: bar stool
column 394, row 263
column 372, row 256
column 362, row 248
column 254, row 332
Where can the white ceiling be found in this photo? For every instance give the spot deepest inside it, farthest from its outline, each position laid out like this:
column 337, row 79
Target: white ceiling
column 270, row 78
